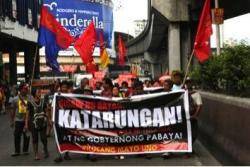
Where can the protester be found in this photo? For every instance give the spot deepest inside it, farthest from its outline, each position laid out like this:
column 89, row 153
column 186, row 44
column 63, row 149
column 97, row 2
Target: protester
column 89, row 91
column 80, row 90
column 36, row 120
column 107, row 88
column 177, row 80
column 18, row 115
column 116, row 92
column 48, row 98
column 63, row 89
column 124, row 85
column 125, row 90
column 167, row 85
column 196, row 101
column 147, row 84
column 70, row 86
column 2, row 100
column 98, row 85
column 137, row 88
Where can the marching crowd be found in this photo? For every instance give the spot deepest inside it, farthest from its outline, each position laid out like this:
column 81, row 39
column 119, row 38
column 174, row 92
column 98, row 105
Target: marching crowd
column 30, row 112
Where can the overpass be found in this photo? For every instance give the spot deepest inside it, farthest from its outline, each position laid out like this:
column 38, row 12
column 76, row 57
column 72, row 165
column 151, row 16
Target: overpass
column 166, row 42
column 18, row 33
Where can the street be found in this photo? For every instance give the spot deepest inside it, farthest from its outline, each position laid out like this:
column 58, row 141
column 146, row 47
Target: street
column 201, row 156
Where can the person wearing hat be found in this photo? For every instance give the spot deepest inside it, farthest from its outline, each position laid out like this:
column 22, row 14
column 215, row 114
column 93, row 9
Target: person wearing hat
column 18, row 116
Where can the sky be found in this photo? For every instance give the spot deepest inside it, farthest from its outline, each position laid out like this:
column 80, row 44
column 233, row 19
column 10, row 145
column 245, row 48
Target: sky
column 237, row 28
column 126, row 12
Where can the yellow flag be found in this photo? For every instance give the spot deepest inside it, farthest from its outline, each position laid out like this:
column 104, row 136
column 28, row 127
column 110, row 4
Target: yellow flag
column 104, row 59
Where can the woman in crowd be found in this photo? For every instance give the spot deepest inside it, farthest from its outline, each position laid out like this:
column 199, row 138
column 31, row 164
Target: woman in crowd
column 36, row 120
column 107, row 88
column 116, row 92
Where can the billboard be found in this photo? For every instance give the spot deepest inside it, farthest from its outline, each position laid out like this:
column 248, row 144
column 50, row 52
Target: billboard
column 76, row 15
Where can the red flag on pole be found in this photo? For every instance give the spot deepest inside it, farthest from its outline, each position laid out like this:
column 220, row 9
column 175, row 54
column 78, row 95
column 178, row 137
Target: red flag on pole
column 202, row 48
column 91, row 67
column 85, row 44
column 122, row 51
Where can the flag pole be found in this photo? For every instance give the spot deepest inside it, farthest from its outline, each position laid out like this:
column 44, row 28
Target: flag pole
column 187, row 68
column 33, row 70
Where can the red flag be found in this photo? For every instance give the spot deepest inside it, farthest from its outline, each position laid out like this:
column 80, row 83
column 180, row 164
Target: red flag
column 202, row 48
column 85, row 44
column 91, row 67
column 122, row 51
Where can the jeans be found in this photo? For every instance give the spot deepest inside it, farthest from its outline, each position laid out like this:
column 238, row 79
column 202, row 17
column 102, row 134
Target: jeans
column 18, row 133
column 194, row 126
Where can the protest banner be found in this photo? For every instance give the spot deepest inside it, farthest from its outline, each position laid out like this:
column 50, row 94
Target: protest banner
column 153, row 123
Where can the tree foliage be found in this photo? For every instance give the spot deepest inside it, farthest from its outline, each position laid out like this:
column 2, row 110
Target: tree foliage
column 228, row 72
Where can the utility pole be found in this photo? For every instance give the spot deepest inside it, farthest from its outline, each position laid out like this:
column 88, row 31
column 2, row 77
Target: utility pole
column 218, row 51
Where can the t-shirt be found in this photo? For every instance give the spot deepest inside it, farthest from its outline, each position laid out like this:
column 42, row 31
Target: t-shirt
column 48, row 98
column 20, row 107
column 78, row 91
column 176, row 87
column 196, row 98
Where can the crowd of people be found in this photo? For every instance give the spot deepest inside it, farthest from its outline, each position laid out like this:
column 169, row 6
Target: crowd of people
column 30, row 111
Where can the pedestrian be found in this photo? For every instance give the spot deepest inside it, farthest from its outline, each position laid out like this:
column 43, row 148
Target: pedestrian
column 89, row 91
column 71, row 86
column 147, row 83
column 125, row 89
column 177, row 80
column 80, row 90
column 196, row 106
column 107, row 88
column 2, row 100
column 116, row 92
column 137, row 88
column 36, row 121
column 64, row 88
column 98, row 85
column 167, row 85
column 48, row 98
column 18, row 117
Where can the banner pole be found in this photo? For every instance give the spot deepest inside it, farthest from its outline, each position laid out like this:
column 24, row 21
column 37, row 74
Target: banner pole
column 33, row 70
column 187, row 68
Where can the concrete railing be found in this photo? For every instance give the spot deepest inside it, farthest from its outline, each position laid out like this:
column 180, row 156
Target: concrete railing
column 225, row 124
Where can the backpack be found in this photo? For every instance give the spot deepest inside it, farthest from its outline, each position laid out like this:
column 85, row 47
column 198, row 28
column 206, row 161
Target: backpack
column 40, row 118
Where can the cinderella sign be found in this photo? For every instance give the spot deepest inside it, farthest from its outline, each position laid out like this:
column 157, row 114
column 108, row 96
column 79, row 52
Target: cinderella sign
column 76, row 15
